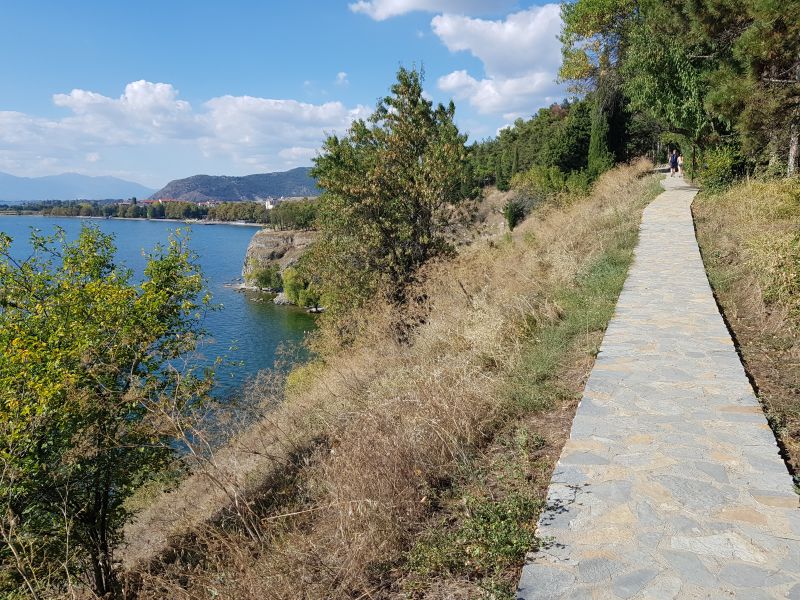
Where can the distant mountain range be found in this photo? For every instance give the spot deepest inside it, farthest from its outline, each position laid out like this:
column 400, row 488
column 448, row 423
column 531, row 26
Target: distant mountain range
column 68, row 186
column 200, row 188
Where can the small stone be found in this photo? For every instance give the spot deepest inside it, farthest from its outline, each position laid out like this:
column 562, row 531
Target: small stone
column 542, row 582
column 690, row 567
column 744, row 575
column 630, row 584
column 594, row 570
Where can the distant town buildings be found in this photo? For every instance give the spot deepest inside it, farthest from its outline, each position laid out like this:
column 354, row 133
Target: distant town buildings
column 270, row 203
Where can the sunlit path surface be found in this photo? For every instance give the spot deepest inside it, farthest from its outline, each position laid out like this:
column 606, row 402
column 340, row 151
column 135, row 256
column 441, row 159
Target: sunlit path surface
column 671, row 484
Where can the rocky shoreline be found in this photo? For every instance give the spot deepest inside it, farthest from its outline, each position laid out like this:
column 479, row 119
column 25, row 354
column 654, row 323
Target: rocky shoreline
column 270, row 248
column 274, row 248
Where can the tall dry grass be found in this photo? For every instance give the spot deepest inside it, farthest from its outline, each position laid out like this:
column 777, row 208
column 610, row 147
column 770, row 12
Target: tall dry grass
column 339, row 478
column 750, row 238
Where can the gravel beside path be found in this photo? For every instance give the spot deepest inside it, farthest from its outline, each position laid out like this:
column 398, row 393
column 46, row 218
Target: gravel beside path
column 670, row 485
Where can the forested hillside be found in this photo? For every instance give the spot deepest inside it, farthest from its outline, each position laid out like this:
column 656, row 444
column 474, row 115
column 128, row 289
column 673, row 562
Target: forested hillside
column 201, row 188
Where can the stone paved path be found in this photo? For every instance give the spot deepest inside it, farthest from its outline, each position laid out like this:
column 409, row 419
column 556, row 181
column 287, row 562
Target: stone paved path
column 670, row 485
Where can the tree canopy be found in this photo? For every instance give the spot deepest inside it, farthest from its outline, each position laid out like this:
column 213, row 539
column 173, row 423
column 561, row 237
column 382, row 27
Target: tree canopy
column 712, row 72
column 391, row 187
column 90, row 388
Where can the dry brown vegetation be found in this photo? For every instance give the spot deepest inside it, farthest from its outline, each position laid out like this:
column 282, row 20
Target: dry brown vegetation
column 339, row 490
column 750, row 238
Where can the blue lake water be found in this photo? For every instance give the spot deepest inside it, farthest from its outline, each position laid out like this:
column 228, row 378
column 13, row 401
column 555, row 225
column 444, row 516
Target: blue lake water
column 248, row 329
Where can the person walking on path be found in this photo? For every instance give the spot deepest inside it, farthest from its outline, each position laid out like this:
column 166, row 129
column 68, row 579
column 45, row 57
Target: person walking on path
column 680, row 165
column 673, row 163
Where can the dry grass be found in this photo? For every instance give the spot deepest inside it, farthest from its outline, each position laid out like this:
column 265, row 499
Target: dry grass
column 334, row 486
column 750, row 238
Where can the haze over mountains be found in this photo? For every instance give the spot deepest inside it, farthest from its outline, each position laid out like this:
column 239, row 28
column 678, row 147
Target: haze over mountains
column 68, row 186
column 201, row 188
column 198, row 188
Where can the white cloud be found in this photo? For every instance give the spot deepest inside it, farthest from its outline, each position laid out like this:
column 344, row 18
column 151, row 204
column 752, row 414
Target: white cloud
column 521, row 43
column 381, row 10
column 145, row 109
column 244, row 126
column 341, row 78
column 244, row 132
column 520, row 55
column 511, row 97
column 298, row 153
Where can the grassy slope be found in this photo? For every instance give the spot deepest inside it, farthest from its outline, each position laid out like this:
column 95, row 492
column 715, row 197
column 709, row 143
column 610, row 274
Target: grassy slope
column 750, row 239
column 395, row 470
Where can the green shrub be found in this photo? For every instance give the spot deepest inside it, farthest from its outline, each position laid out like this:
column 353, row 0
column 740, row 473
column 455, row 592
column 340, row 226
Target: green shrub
column 492, row 536
column 720, row 167
column 299, row 290
column 578, row 182
column 514, row 212
column 539, row 183
column 268, row 278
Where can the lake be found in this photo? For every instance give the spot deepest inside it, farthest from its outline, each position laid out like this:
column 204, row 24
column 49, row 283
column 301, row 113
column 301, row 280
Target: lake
column 250, row 324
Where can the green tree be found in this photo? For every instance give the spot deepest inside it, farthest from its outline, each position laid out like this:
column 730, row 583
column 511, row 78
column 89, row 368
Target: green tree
column 755, row 87
column 390, row 188
column 501, row 178
column 515, row 161
column 268, row 278
column 294, row 214
column 89, row 394
column 714, row 72
column 299, row 290
column 514, row 212
column 600, row 158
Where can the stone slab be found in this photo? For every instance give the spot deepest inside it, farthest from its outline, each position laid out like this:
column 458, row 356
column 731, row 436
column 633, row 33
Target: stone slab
column 670, row 485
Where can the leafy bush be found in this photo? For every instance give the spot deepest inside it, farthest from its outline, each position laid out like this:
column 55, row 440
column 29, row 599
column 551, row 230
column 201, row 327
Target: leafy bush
column 492, row 536
column 514, row 212
column 85, row 367
column 720, row 167
column 299, row 290
column 268, row 278
column 539, row 183
column 578, row 182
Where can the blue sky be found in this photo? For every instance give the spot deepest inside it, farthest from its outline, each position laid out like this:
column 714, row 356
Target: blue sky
column 152, row 91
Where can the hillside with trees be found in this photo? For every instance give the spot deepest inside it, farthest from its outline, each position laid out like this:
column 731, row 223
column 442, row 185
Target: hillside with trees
column 202, row 188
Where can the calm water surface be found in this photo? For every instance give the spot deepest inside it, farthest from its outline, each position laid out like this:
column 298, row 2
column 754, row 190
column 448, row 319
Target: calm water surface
column 248, row 329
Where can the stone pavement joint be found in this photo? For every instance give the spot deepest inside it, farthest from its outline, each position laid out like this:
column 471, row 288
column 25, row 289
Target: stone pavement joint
column 671, row 484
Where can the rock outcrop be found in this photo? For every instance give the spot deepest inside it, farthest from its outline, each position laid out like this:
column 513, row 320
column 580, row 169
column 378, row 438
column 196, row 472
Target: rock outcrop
column 269, row 247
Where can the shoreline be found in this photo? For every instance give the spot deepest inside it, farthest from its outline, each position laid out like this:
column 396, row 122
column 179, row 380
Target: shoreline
column 187, row 221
